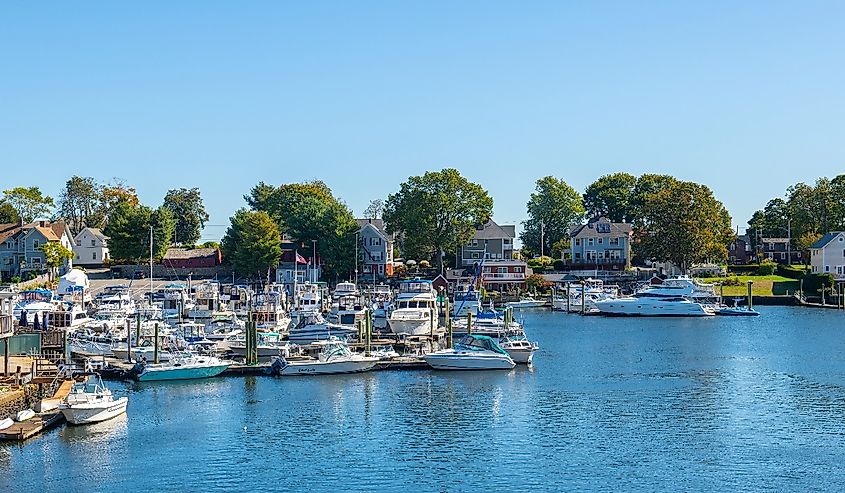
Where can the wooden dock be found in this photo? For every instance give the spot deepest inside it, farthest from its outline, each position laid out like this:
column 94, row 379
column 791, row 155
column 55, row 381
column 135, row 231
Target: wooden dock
column 32, row 426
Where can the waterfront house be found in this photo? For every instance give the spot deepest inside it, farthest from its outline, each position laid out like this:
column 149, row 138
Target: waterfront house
column 191, row 258
column 600, row 245
column 296, row 265
column 778, row 249
column 490, row 242
column 827, row 255
column 375, row 249
column 90, row 247
column 20, row 247
column 739, row 250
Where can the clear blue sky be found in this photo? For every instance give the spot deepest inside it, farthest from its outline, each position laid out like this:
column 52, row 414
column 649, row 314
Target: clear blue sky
column 745, row 97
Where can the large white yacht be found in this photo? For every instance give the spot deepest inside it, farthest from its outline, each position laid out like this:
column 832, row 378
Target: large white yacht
column 675, row 297
column 206, row 301
column 268, row 308
column 313, row 328
column 381, row 301
column 416, row 311
column 347, row 306
column 307, row 301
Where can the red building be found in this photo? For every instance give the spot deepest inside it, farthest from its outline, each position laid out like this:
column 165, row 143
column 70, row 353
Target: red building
column 184, row 258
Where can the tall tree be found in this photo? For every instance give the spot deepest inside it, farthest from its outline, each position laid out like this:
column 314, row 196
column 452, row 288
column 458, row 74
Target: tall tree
column 553, row 209
column 309, row 212
column 374, row 210
column 252, row 243
column 29, row 202
column 610, row 196
column 189, row 212
column 647, row 185
column 8, row 214
column 80, row 203
column 128, row 230
column 436, row 212
column 683, row 223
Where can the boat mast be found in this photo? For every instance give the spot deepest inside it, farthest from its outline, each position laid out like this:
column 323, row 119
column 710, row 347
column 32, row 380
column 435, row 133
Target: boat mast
column 151, row 264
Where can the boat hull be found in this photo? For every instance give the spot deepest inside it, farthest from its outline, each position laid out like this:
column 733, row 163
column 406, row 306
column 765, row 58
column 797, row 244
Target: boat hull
column 80, row 414
column 417, row 327
column 328, row 368
column 651, row 308
column 181, row 373
column 522, row 356
column 457, row 361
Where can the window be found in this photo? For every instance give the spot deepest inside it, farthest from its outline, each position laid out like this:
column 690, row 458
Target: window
column 36, row 260
column 614, row 241
column 591, row 254
column 590, row 241
column 827, row 268
column 517, row 269
column 35, row 244
column 502, row 270
column 577, row 255
column 814, row 268
column 603, row 228
column 93, row 255
column 475, row 243
column 507, row 241
column 78, row 242
column 733, row 246
column 782, row 255
column 474, row 254
column 486, row 255
column 601, row 255
column 93, row 243
column 600, row 240
column 577, row 241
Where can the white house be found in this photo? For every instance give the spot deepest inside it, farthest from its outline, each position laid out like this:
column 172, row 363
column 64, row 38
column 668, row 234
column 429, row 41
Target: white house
column 827, row 255
column 90, row 247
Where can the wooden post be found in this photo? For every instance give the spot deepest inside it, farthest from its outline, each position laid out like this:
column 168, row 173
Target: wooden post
column 469, row 322
column 6, row 357
column 750, row 297
column 369, row 331
column 568, row 308
column 155, row 345
column 583, row 299
column 137, row 328
column 129, row 340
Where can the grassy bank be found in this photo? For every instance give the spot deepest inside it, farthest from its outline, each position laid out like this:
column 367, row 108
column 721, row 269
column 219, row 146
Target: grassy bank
column 773, row 285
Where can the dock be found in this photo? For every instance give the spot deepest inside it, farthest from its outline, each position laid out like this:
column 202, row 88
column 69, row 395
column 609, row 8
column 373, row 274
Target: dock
column 33, row 426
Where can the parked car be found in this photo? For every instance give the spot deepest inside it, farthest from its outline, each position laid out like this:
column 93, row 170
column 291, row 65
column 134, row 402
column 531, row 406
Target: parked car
column 139, row 274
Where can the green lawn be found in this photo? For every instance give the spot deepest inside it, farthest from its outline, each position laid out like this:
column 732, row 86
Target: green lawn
column 763, row 285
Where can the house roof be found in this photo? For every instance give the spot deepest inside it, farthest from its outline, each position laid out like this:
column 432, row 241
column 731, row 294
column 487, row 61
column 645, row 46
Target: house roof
column 490, row 231
column 589, row 229
column 185, row 253
column 824, row 240
column 376, row 223
column 94, row 231
column 774, row 240
column 7, row 230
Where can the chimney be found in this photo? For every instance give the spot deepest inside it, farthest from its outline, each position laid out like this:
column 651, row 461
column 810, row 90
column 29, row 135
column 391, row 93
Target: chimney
column 43, row 224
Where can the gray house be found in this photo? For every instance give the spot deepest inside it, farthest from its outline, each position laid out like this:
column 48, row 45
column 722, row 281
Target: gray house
column 600, row 244
column 20, row 247
column 490, row 242
column 375, row 248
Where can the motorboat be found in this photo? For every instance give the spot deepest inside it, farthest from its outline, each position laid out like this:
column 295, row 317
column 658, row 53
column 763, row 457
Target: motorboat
column 520, row 349
column 206, row 301
column 583, row 295
column 347, row 307
column 381, row 301
column 487, row 322
column 5, row 423
column 90, row 401
column 66, row 315
column 307, row 301
column 653, row 306
column 268, row 344
column 34, row 304
column 334, row 357
column 175, row 301
column 737, row 311
column 237, row 298
column 181, row 366
column 268, row 311
column 315, row 328
column 467, row 300
column 473, row 352
column 526, row 302
column 416, row 311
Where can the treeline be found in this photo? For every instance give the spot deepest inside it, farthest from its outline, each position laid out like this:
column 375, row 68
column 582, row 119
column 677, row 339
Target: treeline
column 804, row 213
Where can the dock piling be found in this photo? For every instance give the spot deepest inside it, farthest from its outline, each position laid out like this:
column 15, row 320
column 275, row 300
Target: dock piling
column 750, row 297
column 155, row 345
column 129, row 340
column 469, row 322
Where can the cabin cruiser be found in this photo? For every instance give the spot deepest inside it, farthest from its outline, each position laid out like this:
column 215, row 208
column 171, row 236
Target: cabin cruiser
column 307, row 300
column 313, row 328
column 268, row 344
column 237, row 299
column 269, row 312
column 381, row 301
column 89, row 342
column 520, row 349
column 474, row 352
column 467, row 300
column 116, row 301
column 334, row 357
column 223, row 326
column 347, row 307
column 32, row 303
column 181, row 366
column 416, row 311
column 674, row 297
column 487, row 322
column 591, row 290
column 91, row 402
column 206, row 301
column 175, row 302
column 66, row 315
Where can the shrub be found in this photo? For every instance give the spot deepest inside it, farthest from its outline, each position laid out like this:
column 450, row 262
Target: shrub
column 559, row 264
column 767, row 268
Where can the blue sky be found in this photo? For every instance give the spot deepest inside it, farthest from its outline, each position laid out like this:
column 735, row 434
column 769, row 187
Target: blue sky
column 744, row 97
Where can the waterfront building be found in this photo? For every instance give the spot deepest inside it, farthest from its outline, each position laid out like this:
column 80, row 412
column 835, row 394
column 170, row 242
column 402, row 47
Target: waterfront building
column 778, row 249
column 492, row 249
column 490, row 242
column 191, row 258
column 90, row 247
column 20, row 247
column 739, row 250
column 600, row 245
column 827, row 255
column 375, row 249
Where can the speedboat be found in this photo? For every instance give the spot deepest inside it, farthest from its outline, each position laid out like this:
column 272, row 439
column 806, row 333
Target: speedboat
column 474, row 352
column 526, row 302
column 520, row 349
column 182, row 366
column 334, row 357
column 314, row 327
column 91, row 402
column 268, row 344
column 416, row 310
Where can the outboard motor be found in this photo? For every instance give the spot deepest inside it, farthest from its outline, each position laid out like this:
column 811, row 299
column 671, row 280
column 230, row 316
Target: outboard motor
column 136, row 370
column 277, row 366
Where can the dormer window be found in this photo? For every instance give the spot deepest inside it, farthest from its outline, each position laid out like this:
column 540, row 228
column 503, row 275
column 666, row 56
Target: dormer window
column 603, row 228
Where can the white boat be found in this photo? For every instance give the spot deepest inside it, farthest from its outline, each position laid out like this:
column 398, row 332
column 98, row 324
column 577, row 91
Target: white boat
column 182, row 366
column 24, row 415
column 5, row 423
column 520, row 349
column 315, row 328
column 474, row 352
column 206, row 301
column 268, row 311
column 653, row 306
column 526, row 302
column 347, row 306
column 381, row 300
column 269, row 344
column 91, row 402
column 416, row 311
column 175, row 301
column 307, row 301
column 334, row 357
column 467, row 300
column 591, row 290
column 737, row 311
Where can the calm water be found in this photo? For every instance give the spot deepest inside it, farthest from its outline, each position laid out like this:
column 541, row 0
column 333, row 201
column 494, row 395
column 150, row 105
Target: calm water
column 630, row 404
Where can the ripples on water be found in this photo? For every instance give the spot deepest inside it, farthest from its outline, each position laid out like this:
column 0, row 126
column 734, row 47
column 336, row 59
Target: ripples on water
column 643, row 404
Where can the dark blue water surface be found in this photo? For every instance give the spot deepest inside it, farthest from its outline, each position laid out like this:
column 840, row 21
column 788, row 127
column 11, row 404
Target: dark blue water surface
column 610, row 404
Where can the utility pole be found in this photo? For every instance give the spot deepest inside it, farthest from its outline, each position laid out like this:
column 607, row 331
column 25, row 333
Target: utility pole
column 314, row 260
column 542, row 236
column 789, row 242
column 356, row 259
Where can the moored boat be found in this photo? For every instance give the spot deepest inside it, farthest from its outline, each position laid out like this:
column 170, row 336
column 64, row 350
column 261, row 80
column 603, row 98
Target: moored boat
column 520, row 349
column 184, row 366
column 91, row 402
column 334, row 357
column 474, row 352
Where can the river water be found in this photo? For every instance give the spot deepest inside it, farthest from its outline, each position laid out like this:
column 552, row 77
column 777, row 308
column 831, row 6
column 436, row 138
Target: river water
column 610, row 404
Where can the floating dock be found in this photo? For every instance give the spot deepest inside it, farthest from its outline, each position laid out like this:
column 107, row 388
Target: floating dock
column 33, row 426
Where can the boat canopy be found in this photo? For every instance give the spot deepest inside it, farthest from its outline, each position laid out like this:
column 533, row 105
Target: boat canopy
column 480, row 343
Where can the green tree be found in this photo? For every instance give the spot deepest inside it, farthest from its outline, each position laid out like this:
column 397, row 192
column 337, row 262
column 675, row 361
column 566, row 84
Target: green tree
column 610, row 196
column 375, row 210
column 252, row 243
column 128, row 230
column 683, row 223
column 647, row 185
column 8, row 214
column 56, row 255
column 189, row 212
column 803, row 242
column 164, row 228
column 29, row 202
column 80, row 203
column 436, row 212
column 553, row 209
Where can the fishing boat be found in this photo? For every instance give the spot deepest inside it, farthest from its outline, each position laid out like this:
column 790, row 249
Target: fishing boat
column 334, row 357
column 416, row 311
column 314, row 327
column 182, row 366
column 91, row 402
column 520, row 349
column 474, row 352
